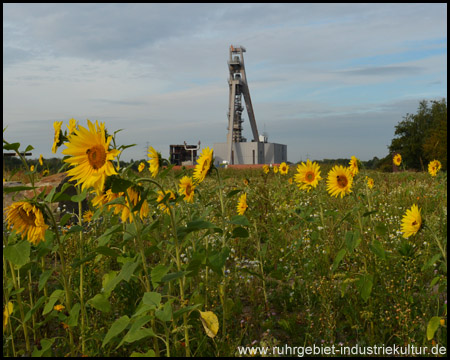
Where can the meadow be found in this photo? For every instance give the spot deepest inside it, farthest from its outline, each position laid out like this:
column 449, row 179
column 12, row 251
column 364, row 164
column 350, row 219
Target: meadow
column 202, row 270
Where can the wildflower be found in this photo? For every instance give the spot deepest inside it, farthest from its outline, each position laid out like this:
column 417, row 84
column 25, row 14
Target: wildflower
column 59, row 307
column 7, row 313
column 155, row 161
column 41, row 160
column 141, row 167
column 203, row 164
column 339, row 181
column 369, row 182
column 284, row 168
column 434, row 167
column 56, row 141
column 411, row 222
column 90, row 157
column 266, row 169
column 27, row 220
column 72, row 126
column 308, row 175
column 397, row 159
column 161, row 197
column 87, row 216
column 32, row 168
column 246, row 181
column 354, row 165
column 187, row 188
column 242, row 204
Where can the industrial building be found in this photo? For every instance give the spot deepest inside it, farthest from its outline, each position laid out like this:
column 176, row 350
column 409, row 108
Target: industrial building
column 237, row 150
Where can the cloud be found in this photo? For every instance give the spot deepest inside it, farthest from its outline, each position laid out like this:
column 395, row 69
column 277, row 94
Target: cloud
column 159, row 71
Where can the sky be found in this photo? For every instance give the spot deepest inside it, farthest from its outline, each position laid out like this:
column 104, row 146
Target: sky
column 328, row 80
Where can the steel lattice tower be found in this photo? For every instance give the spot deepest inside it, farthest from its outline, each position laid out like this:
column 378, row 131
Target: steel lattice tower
column 238, row 87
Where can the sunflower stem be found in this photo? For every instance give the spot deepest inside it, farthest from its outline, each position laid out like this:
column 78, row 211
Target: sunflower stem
column 83, row 309
column 19, row 302
column 64, row 273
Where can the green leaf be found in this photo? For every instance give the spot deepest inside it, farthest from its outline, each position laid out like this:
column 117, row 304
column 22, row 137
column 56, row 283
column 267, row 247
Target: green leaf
column 43, row 278
column 128, row 270
column 150, row 353
column 152, row 298
column 11, row 189
column 104, row 250
column 432, row 327
column 46, row 346
column 54, row 297
column 29, row 148
column 173, row 276
column 110, row 281
column 100, row 302
column 36, row 306
column 80, row 197
column 352, row 240
column 381, row 229
column 13, row 146
column 364, row 286
column 157, row 274
column 74, row 315
column 166, row 313
column 217, row 261
column 240, row 232
column 240, row 220
column 116, row 328
column 18, row 254
column 340, row 255
column 136, row 332
column 431, row 262
column 377, row 249
column 233, row 192
column 120, row 185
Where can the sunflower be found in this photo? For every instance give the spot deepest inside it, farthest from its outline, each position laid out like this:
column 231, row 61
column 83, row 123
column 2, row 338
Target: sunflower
column 27, row 220
column 242, row 204
column 141, row 167
column 187, row 188
column 411, row 222
column 266, row 169
column 308, row 175
column 155, row 161
column 135, row 198
column 354, row 165
column 275, row 169
column 397, row 159
column 72, row 126
column 90, row 156
column 284, row 168
column 339, row 181
column 41, row 160
column 161, row 197
column 87, row 215
column 203, row 164
column 369, row 182
column 434, row 167
column 56, row 141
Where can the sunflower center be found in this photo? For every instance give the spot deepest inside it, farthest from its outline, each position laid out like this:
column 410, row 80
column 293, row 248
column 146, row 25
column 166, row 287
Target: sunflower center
column 29, row 218
column 342, row 181
column 96, row 156
column 414, row 223
column 188, row 189
column 309, row 176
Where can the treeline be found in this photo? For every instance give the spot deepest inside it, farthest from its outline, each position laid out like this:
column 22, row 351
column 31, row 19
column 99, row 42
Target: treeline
column 419, row 138
column 422, row 137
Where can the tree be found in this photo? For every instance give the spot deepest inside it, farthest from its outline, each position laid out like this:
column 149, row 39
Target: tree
column 422, row 137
